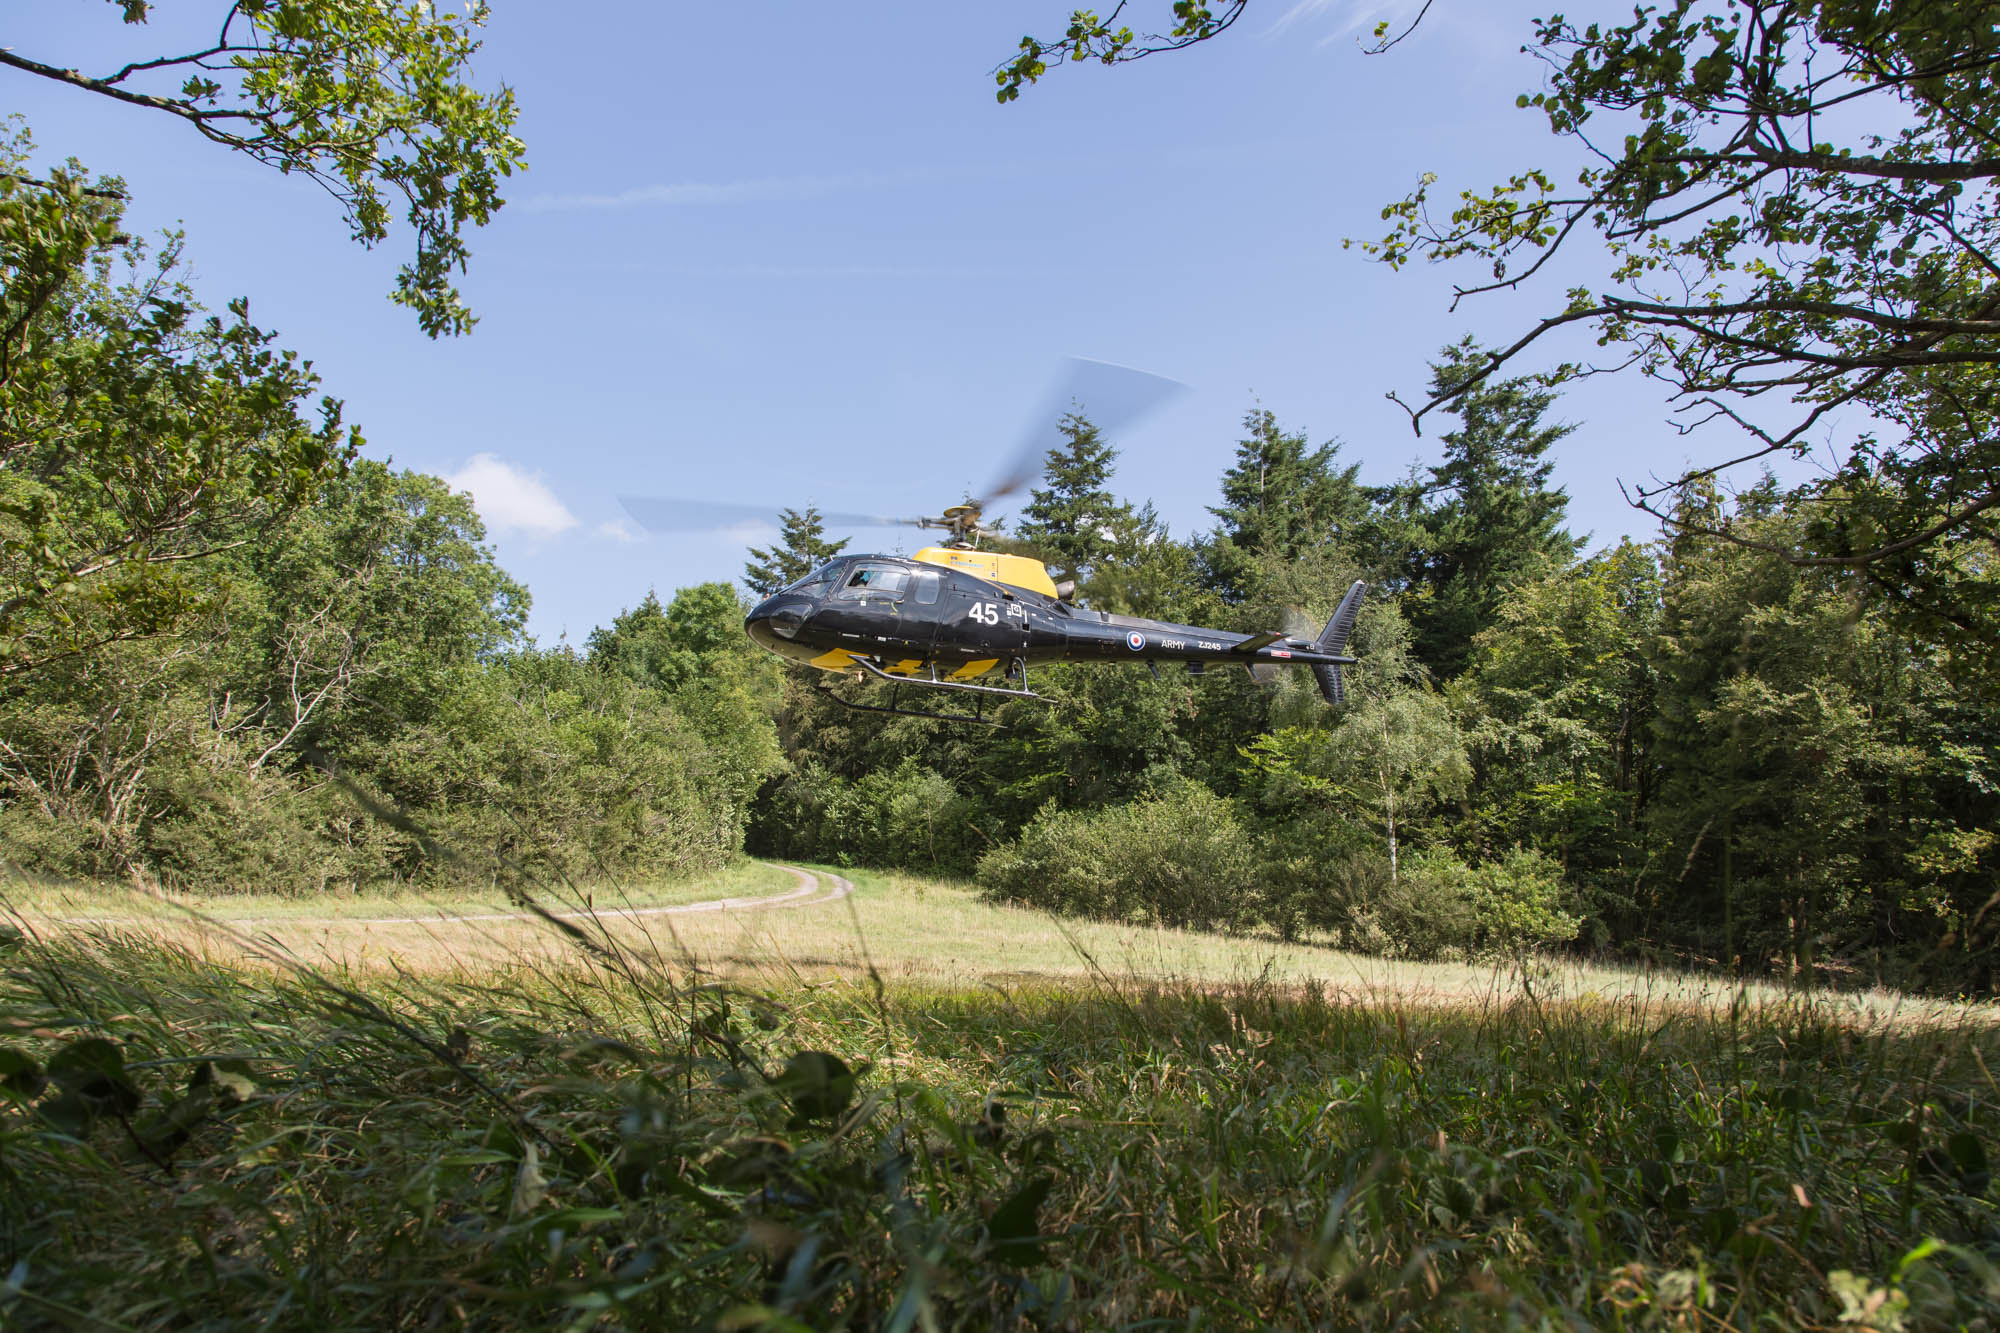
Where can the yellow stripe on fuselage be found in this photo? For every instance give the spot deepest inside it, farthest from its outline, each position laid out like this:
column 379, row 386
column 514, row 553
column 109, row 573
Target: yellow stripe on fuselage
column 978, row 668
column 837, row 660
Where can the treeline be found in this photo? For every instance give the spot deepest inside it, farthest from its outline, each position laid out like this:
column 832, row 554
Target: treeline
column 234, row 655
column 1688, row 750
column 354, row 708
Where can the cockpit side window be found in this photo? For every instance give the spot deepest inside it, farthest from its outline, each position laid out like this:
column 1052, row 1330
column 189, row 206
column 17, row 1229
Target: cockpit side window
column 876, row 579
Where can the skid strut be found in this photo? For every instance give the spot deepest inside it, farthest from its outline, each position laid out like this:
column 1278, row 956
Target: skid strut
column 980, row 693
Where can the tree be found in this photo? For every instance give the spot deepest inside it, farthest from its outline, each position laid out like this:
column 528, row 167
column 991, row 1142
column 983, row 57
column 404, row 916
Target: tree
column 139, row 436
column 1280, row 499
column 1798, row 203
column 1771, row 761
column 1557, row 709
column 668, row 647
column 1391, row 755
column 803, row 548
column 1092, row 38
column 369, row 99
column 1073, row 519
column 1486, row 520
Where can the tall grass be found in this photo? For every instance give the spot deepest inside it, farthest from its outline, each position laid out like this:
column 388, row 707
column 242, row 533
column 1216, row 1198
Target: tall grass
column 593, row 1143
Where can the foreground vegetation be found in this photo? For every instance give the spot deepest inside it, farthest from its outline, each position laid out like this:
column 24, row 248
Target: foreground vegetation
column 587, row 1141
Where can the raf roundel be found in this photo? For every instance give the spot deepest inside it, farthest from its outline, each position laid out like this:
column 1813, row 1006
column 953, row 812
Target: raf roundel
column 1135, row 641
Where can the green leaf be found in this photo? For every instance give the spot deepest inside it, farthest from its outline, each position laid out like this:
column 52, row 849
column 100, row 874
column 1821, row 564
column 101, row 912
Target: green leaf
column 92, row 1069
column 1013, row 1234
column 818, row 1084
column 20, row 1073
column 1968, row 1154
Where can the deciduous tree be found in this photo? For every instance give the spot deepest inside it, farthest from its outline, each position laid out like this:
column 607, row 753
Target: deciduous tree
column 369, row 99
column 139, row 434
column 1799, row 202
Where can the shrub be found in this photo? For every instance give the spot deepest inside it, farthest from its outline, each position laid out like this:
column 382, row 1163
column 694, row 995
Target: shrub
column 1181, row 859
column 908, row 816
column 1314, row 871
column 1442, row 908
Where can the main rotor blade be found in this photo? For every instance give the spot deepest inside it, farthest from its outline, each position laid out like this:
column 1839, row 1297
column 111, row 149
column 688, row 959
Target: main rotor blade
column 1110, row 395
column 659, row 513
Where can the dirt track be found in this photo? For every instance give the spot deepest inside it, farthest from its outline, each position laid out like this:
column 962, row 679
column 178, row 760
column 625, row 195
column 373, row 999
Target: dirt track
column 807, row 894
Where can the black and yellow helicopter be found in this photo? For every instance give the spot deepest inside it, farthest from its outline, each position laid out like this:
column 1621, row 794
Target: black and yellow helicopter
column 952, row 616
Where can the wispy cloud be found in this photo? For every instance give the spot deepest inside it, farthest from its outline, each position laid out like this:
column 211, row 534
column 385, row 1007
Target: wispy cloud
column 1349, row 17
column 511, row 500
column 753, row 531
column 618, row 530
column 699, row 194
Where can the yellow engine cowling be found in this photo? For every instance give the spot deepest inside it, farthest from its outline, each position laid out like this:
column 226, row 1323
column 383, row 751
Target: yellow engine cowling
column 1016, row 571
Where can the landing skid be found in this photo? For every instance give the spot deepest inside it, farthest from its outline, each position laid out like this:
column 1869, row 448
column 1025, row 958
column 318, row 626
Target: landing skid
column 980, row 694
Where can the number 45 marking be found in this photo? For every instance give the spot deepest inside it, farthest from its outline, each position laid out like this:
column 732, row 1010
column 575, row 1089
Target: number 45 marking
column 986, row 613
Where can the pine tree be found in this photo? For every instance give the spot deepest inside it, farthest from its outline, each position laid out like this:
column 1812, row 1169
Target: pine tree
column 1074, row 521
column 1280, row 499
column 1485, row 520
column 802, row 549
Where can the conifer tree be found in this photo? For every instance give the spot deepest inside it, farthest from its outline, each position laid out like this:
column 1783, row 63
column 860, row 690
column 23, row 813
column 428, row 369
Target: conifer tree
column 1485, row 520
column 802, row 548
column 1280, row 499
column 1073, row 520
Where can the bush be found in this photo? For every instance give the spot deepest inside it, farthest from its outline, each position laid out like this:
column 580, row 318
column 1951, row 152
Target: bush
column 908, row 816
column 1314, row 871
column 1442, row 908
column 1182, row 859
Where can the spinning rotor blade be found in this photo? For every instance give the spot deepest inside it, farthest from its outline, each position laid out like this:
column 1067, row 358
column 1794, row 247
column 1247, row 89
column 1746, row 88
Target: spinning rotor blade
column 665, row 514
column 1112, row 396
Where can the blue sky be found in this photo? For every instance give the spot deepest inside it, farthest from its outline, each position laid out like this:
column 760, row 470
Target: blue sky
column 796, row 252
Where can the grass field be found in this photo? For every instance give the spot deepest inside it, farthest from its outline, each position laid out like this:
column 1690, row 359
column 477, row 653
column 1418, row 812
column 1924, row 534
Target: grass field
column 909, row 1109
column 912, row 931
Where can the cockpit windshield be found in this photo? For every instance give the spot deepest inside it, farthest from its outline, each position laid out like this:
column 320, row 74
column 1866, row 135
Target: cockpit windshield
column 820, row 581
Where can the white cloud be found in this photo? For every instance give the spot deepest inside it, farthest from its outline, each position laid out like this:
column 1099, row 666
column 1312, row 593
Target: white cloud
column 511, row 500
column 698, row 193
column 618, row 530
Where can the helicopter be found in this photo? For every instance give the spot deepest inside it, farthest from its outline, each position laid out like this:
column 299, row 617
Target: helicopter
column 951, row 617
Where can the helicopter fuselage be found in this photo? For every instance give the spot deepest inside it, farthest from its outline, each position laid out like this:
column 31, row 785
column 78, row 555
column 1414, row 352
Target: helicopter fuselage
column 926, row 620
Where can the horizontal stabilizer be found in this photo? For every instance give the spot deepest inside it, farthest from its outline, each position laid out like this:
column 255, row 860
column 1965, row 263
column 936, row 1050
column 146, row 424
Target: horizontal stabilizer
column 1257, row 643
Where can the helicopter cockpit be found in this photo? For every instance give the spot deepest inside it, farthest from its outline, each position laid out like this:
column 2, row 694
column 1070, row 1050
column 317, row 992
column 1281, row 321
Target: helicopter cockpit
column 817, row 584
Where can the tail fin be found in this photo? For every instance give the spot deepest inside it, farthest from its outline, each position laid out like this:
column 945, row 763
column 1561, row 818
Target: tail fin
column 1334, row 643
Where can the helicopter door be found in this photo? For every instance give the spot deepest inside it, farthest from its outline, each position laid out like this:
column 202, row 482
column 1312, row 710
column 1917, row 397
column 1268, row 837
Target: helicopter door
column 920, row 607
column 879, row 612
column 982, row 624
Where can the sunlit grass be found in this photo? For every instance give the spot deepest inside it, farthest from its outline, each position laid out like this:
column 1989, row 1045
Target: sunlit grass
column 910, row 930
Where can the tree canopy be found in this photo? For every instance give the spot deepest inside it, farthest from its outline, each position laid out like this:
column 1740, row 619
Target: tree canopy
column 369, row 99
column 1798, row 212
column 139, row 435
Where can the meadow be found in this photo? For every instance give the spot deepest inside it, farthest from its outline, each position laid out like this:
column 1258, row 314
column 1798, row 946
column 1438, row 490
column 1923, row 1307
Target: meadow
column 907, row 1108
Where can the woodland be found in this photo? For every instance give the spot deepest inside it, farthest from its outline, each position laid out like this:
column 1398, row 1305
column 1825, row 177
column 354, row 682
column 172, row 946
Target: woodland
column 237, row 653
